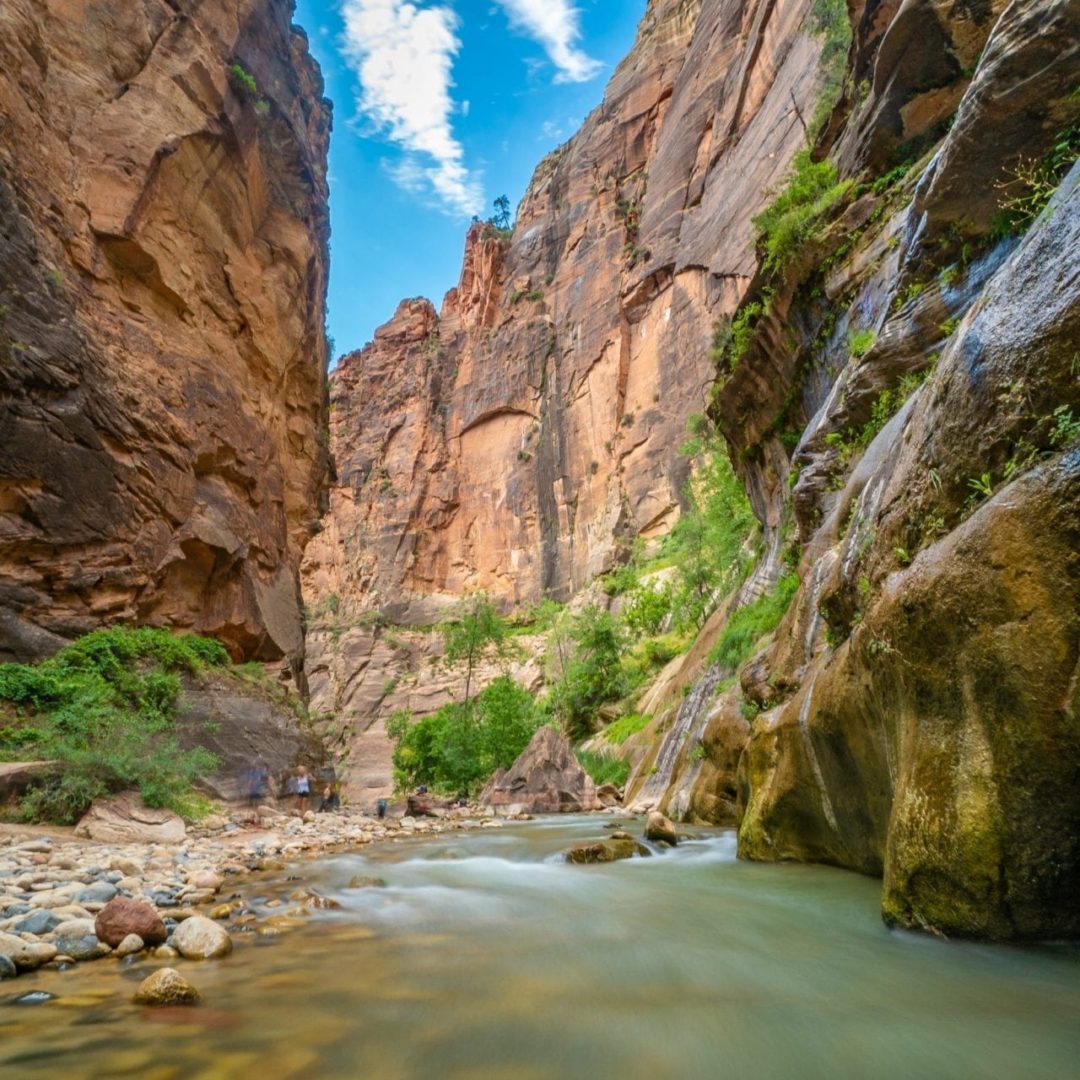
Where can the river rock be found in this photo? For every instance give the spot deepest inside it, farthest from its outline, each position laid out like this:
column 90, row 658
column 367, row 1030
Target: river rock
column 130, row 945
column 605, row 851
column 165, row 987
column 660, row 828
column 206, row 879
column 546, row 779
column 123, row 916
column 26, row 955
column 8, row 970
column 37, row 922
column 365, row 881
column 609, row 795
column 126, row 819
column 75, row 928
column 84, row 948
column 199, row 938
column 100, row 892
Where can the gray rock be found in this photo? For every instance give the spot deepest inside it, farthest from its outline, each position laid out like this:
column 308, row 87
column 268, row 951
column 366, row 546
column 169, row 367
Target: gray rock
column 8, row 970
column 84, row 948
column 101, row 892
column 37, row 922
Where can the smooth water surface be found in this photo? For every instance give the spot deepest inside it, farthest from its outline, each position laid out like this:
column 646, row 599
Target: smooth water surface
column 488, row 957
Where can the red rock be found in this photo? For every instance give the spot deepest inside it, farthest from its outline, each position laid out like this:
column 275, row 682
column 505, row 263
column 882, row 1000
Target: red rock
column 122, row 916
column 545, row 779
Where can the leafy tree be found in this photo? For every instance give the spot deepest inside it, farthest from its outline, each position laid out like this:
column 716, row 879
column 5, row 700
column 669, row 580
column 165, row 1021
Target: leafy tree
column 458, row 748
column 710, row 541
column 501, row 219
column 478, row 632
column 594, row 676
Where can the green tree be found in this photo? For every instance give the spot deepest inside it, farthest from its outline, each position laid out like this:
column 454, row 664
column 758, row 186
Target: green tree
column 501, row 219
column 594, row 676
column 478, row 632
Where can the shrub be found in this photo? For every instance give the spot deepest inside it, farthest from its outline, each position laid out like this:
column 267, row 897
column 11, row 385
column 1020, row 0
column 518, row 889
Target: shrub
column 750, row 623
column 618, row 732
column 460, row 746
column 594, row 674
column 860, row 342
column 795, row 216
column 105, row 707
column 603, row 768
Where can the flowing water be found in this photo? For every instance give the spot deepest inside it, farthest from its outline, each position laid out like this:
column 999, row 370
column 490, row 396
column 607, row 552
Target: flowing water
column 487, row 957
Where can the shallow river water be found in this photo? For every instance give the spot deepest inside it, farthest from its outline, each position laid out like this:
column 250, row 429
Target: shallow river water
column 485, row 957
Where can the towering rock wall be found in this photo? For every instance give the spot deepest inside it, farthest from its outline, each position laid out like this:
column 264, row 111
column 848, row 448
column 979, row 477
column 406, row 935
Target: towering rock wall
column 163, row 260
column 907, row 420
column 517, row 440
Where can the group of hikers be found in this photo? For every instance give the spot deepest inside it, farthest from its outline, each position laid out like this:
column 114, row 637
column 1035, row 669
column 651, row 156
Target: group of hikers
column 296, row 784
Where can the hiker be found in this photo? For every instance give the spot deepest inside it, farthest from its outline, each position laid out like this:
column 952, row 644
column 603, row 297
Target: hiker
column 303, row 789
column 330, row 800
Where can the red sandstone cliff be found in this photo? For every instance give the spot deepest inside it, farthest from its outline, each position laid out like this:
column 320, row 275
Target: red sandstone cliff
column 517, row 439
column 163, row 259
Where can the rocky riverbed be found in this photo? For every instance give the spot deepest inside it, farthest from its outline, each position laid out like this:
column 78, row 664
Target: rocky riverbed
column 66, row 900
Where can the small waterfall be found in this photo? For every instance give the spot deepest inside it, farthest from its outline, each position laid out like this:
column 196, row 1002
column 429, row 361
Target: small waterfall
column 689, row 725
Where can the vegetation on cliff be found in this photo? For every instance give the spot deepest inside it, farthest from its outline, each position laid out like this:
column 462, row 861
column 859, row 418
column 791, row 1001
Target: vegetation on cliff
column 104, row 709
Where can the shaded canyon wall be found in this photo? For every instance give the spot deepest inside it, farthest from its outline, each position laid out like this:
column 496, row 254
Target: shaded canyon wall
column 163, row 261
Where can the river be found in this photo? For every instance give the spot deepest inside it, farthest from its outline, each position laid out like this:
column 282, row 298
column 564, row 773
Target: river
column 487, row 957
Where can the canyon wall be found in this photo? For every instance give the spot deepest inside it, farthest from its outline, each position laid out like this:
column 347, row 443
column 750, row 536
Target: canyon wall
column 519, row 439
column 163, row 261
column 906, row 413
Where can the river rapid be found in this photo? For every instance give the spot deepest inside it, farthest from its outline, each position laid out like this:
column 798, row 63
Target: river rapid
column 486, row 956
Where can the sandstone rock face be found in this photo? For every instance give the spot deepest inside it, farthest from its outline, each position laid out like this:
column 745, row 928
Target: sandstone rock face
column 126, row 819
column 123, row 916
column 545, row 779
column 519, row 438
column 915, row 711
column 163, row 251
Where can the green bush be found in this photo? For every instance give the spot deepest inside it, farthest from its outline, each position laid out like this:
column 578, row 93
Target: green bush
column 460, row 746
column 594, row 675
column 104, row 707
column 749, row 624
column 603, row 768
column 797, row 214
column 618, row 732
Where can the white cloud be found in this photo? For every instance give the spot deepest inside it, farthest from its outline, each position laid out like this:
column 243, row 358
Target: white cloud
column 404, row 55
column 555, row 24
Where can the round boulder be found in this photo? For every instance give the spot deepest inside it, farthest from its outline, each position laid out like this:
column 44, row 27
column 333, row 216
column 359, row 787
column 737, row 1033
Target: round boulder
column 660, row 828
column 123, row 916
column 131, row 945
column 199, row 938
column 165, row 987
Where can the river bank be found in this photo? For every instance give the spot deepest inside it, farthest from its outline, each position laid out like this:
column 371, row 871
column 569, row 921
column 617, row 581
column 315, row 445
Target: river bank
column 54, row 884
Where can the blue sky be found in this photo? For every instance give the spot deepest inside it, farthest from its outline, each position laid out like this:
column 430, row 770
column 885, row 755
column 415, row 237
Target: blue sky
column 440, row 106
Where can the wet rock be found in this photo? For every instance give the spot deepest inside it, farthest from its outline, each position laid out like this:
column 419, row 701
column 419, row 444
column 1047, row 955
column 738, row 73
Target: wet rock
column 606, row 851
column 609, row 795
column 365, row 881
column 165, row 987
column 123, row 916
column 8, row 970
column 199, row 938
column 165, row 952
column 547, row 778
column 130, row 945
column 126, row 819
column 660, row 829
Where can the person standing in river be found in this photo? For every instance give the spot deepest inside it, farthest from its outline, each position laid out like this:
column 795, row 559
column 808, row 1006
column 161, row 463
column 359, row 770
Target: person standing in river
column 303, row 789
